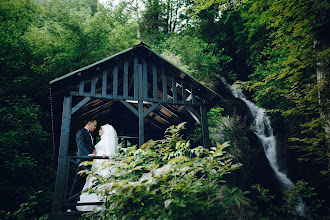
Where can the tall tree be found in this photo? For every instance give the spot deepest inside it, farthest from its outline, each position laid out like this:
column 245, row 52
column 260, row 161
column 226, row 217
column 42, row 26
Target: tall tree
column 297, row 35
column 41, row 40
column 300, row 30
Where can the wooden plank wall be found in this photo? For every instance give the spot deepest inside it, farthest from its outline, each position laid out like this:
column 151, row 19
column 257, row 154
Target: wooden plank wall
column 122, row 81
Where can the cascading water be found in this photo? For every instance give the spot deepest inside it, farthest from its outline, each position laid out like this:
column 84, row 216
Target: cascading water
column 262, row 128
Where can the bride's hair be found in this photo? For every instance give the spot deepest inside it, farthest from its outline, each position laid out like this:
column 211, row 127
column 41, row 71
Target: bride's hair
column 109, row 138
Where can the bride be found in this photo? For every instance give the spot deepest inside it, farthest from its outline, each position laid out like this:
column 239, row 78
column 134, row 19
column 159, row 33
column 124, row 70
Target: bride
column 105, row 147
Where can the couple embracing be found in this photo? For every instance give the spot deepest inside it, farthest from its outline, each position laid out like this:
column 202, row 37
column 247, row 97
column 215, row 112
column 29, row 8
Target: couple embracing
column 105, row 147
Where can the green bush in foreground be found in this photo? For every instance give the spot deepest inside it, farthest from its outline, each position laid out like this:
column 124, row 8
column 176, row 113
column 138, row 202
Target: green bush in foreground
column 165, row 179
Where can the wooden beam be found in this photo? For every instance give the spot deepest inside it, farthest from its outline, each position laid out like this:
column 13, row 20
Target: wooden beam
column 115, row 82
column 171, row 111
column 80, row 104
column 174, row 92
column 158, row 113
column 145, row 79
column 204, row 127
column 154, row 83
column 164, row 81
column 170, row 102
column 136, row 89
column 150, row 109
column 130, row 107
column 140, row 104
column 125, row 85
column 61, row 178
column 193, row 113
column 81, row 87
column 141, row 124
column 93, row 85
column 131, row 84
column 151, row 100
column 154, row 122
column 140, row 81
column 193, row 96
column 104, row 84
column 184, row 94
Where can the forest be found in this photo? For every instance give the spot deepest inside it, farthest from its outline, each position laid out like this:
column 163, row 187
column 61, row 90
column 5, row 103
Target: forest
column 276, row 51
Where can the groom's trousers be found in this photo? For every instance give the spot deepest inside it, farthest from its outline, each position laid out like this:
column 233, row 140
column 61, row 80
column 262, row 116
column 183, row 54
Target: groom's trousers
column 78, row 184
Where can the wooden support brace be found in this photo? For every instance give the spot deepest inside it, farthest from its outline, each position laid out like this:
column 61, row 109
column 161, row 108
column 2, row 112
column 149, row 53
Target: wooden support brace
column 193, row 113
column 130, row 107
column 80, row 104
column 147, row 112
column 205, row 128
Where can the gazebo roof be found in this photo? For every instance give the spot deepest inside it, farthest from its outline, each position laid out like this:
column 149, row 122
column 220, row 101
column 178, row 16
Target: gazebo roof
column 63, row 80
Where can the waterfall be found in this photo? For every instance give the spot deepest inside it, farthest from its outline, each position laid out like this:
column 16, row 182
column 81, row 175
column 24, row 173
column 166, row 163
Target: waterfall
column 261, row 127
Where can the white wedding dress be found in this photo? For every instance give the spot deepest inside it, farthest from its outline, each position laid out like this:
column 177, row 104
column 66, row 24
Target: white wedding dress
column 107, row 145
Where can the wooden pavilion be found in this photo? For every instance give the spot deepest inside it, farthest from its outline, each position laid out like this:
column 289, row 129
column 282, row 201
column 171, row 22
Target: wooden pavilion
column 137, row 91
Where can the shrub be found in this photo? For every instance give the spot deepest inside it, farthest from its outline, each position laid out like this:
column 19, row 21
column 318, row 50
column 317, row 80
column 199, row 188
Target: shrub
column 166, row 179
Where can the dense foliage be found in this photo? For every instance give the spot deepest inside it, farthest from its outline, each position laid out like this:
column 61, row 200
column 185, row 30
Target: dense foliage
column 278, row 50
column 162, row 178
column 41, row 40
column 292, row 73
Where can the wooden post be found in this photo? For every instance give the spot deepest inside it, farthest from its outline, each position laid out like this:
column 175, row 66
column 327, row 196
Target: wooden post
column 63, row 154
column 184, row 94
column 164, row 79
column 79, row 105
column 115, row 82
column 136, row 91
column 93, row 85
column 104, row 84
column 140, row 82
column 141, row 124
column 193, row 96
column 154, row 83
column 145, row 80
column 140, row 105
column 125, row 84
column 81, row 87
column 205, row 128
column 175, row 99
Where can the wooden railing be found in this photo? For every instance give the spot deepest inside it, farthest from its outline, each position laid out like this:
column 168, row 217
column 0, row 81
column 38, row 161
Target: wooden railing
column 72, row 159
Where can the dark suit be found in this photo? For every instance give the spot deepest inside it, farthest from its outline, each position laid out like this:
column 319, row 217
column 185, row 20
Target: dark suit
column 84, row 143
column 85, row 147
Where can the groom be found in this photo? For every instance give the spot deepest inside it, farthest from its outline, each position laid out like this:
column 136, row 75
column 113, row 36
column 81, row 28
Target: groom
column 85, row 145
